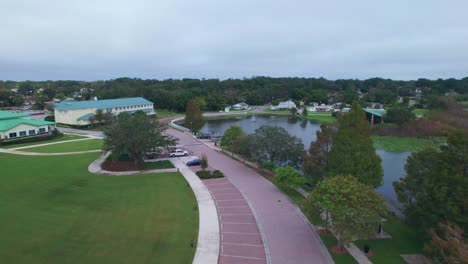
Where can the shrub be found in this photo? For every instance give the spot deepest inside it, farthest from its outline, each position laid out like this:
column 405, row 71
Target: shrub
column 38, row 138
column 218, row 174
column 268, row 165
column 50, row 118
column 204, row 174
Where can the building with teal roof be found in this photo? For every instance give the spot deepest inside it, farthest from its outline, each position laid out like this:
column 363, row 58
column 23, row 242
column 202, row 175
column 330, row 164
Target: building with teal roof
column 15, row 125
column 81, row 113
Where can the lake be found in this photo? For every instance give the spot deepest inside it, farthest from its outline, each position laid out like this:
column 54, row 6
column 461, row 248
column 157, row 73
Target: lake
column 392, row 162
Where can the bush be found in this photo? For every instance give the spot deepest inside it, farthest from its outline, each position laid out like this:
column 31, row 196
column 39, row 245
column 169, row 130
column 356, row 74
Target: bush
column 50, row 118
column 218, row 174
column 210, row 174
column 54, row 134
column 268, row 165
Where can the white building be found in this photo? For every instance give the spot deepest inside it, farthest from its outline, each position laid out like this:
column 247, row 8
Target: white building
column 284, row 105
column 240, row 106
column 80, row 113
column 14, row 125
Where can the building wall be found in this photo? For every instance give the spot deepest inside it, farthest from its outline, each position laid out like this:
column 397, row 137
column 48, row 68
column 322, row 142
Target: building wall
column 20, row 128
column 70, row 117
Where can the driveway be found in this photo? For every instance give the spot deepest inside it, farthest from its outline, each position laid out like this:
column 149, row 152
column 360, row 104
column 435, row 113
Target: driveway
column 289, row 239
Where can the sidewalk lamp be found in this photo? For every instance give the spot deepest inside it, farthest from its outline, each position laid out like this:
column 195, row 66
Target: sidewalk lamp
column 191, row 127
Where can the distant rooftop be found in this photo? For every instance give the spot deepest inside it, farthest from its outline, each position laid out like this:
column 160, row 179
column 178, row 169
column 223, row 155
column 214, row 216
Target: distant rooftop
column 101, row 104
column 11, row 115
column 11, row 123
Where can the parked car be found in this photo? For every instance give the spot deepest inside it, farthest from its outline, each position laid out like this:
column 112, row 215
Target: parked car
column 204, row 136
column 194, row 162
column 178, row 153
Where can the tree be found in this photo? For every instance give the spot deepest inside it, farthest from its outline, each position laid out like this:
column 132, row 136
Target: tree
column 274, row 144
column 194, row 117
column 304, row 111
column 434, row 189
column 99, row 116
column 204, row 162
column 231, row 134
column 355, row 208
column 133, row 135
column 293, row 111
column 242, row 145
column 287, row 176
column 18, row 100
column 352, row 152
column 316, row 160
column 399, row 115
column 447, row 245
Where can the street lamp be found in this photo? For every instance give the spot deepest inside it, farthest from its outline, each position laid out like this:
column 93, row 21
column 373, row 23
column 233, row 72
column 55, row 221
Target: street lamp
column 191, row 127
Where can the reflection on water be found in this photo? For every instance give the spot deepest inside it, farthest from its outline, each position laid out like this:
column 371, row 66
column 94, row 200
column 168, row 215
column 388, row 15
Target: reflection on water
column 392, row 162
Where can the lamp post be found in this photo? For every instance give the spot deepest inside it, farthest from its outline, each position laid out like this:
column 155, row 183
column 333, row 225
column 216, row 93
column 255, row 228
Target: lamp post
column 191, row 127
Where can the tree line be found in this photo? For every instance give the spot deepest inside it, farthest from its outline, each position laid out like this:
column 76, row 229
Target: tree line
column 174, row 94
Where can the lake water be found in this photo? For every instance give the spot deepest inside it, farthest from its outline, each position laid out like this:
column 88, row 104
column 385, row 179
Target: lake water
column 392, row 162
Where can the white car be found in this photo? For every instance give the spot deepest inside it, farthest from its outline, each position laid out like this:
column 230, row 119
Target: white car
column 178, row 153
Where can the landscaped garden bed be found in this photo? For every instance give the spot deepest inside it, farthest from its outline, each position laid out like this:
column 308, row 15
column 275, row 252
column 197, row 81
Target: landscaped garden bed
column 123, row 163
column 210, row 174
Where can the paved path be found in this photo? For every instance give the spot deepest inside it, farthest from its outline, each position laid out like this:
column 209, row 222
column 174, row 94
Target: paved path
column 27, row 153
column 208, row 233
column 241, row 237
column 289, row 237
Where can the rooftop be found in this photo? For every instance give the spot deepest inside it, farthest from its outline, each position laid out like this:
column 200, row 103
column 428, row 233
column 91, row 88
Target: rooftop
column 11, row 123
column 11, row 115
column 101, row 104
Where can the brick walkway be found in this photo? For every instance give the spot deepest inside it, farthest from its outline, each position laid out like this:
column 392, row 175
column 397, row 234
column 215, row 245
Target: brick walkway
column 241, row 239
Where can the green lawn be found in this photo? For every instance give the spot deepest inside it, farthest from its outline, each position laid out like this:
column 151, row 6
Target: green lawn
column 421, row 112
column 405, row 240
column 54, row 211
column 83, row 145
column 321, row 117
column 64, row 138
column 330, row 241
column 163, row 113
column 163, row 164
column 403, row 144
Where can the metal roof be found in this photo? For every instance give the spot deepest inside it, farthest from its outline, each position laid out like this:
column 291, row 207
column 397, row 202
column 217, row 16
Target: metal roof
column 101, row 104
column 11, row 115
column 376, row 112
column 11, row 123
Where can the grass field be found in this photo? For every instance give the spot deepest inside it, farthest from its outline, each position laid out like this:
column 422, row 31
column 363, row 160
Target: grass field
column 319, row 117
column 83, row 145
column 404, row 144
column 162, row 164
column 54, row 211
column 404, row 241
column 330, row 241
column 64, row 138
column 421, row 112
column 163, row 113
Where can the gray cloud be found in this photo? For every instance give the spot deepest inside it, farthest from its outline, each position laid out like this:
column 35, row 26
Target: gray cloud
column 104, row 39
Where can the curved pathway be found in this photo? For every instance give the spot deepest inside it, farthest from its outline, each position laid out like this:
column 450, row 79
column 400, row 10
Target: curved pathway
column 289, row 237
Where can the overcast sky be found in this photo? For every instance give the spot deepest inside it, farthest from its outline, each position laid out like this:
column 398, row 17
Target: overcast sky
column 160, row 39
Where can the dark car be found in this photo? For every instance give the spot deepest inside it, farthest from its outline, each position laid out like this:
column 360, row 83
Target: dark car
column 194, row 162
column 204, row 136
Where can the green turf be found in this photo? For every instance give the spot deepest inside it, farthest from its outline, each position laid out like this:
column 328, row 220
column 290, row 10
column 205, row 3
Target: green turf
column 330, row 241
column 54, row 211
column 163, row 113
column 321, row 117
column 162, row 164
column 421, row 112
column 64, row 138
column 403, row 144
column 405, row 240
column 83, row 145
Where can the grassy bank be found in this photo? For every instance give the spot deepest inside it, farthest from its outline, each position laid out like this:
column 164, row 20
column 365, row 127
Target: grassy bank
column 54, row 211
column 407, row 144
column 82, row 145
column 59, row 139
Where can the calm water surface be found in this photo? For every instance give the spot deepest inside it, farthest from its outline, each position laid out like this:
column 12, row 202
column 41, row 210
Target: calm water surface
column 392, row 162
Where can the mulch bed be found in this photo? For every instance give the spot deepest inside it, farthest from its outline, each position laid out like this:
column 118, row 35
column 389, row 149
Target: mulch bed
column 370, row 253
column 324, row 232
column 118, row 165
column 338, row 250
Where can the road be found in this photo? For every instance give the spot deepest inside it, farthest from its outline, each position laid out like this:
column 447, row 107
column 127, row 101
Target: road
column 290, row 240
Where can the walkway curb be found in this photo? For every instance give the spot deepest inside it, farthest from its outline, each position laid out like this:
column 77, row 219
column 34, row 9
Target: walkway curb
column 208, row 233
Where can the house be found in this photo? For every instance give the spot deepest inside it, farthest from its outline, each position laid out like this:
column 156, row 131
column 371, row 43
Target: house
column 81, row 113
column 240, row 106
column 284, row 105
column 14, row 125
column 321, row 108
